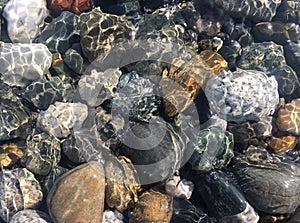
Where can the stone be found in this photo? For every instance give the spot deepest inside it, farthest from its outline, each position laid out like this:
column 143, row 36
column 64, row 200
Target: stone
column 52, row 176
column 75, row 60
column 243, row 95
column 81, row 191
column 10, row 154
column 288, row 11
column 59, row 119
column 282, row 143
column 292, row 56
column 47, row 90
column 213, row 149
column 23, row 63
column 112, row 217
column 179, row 188
column 42, row 153
column 75, row 6
column 100, row 32
column 19, row 190
column 60, row 33
column 26, row 216
column 214, row 60
column 122, row 183
column 289, row 117
column 24, row 19
column 152, row 206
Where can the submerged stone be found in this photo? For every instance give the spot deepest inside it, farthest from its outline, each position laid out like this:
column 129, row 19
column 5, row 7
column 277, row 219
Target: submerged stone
column 10, row 154
column 75, row 6
column 26, row 216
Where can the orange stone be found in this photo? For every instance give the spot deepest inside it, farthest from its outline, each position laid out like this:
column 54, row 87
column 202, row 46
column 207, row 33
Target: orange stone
column 282, row 143
column 9, row 154
column 75, row 6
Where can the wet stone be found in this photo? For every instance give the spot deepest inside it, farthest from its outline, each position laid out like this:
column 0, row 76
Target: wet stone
column 270, row 182
column 21, row 64
column 101, row 31
column 30, row 14
column 223, row 200
column 152, row 206
column 75, row 60
column 19, row 190
column 230, row 51
column 60, row 33
column 85, row 186
column 47, row 90
column 292, row 56
column 289, row 117
column 10, row 154
column 59, row 119
column 42, row 153
column 112, row 217
column 213, row 149
column 75, row 6
column 243, row 95
column 282, row 143
column 288, row 11
column 122, row 183
column 179, row 188
column 52, row 176
column 26, row 216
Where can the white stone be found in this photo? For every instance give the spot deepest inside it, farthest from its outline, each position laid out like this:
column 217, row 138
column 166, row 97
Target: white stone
column 112, row 217
column 179, row 188
column 33, row 216
column 24, row 19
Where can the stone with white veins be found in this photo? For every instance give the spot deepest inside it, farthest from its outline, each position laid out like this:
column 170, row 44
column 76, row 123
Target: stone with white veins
column 59, row 119
column 22, row 63
column 24, row 19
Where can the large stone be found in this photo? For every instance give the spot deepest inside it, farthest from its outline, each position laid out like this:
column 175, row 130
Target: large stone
column 78, row 195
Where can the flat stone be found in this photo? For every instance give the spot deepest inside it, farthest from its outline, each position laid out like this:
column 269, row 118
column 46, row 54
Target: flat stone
column 78, row 195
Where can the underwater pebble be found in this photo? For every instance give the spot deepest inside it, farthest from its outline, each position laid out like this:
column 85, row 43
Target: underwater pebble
column 26, row 216
column 243, row 95
column 25, row 17
column 112, row 217
column 152, row 206
column 179, row 188
column 21, row 63
column 42, row 153
column 59, row 119
column 18, row 190
column 52, row 176
column 75, row 6
column 85, row 186
column 10, row 154
column 282, row 143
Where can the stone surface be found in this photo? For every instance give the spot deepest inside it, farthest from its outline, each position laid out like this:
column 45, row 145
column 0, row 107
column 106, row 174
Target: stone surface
column 60, row 33
column 270, row 182
column 101, row 31
column 52, row 176
column 282, row 143
column 112, row 217
column 59, row 119
column 24, row 19
column 152, row 206
column 242, row 95
column 74, row 59
column 26, row 216
column 289, row 117
column 21, row 64
column 213, row 149
column 78, row 195
column 122, row 183
column 179, row 188
column 10, row 154
column 42, row 153
column 75, row 6
column 288, row 11
column 19, row 190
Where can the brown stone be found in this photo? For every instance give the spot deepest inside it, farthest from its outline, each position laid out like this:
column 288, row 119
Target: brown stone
column 9, row 154
column 78, row 195
column 152, row 206
column 282, row 143
column 75, row 6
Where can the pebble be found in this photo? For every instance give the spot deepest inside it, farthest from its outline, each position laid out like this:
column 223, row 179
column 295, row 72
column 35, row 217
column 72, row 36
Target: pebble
column 42, row 153
column 81, row 191
column 18, row 190
column 110, row 216
column 10, row 154
column 75, row 6
column 282, row 143
column 22, row 63
column 59, row 119
column 179, row 188
column 243, row 95
column 288, row 117
column 152, row 206
column 28, row 215
column 24, row 18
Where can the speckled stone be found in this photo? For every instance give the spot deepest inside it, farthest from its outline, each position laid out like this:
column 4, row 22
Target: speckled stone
column 288, row 119
column 242, row 95
column 19, row 190
column 282, row 143
column 81, row 191
column 47, row 90
column 59, row 119
column 26, row 216
column 25, row 19
column 42, row 153
column 75, row 6
column 101, row 31
column 213, row 149
column 152, row 206
column 60, row 33
column 20, row 64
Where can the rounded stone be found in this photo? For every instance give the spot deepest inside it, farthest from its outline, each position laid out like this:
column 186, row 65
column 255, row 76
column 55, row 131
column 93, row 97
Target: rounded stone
column 78, row 195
